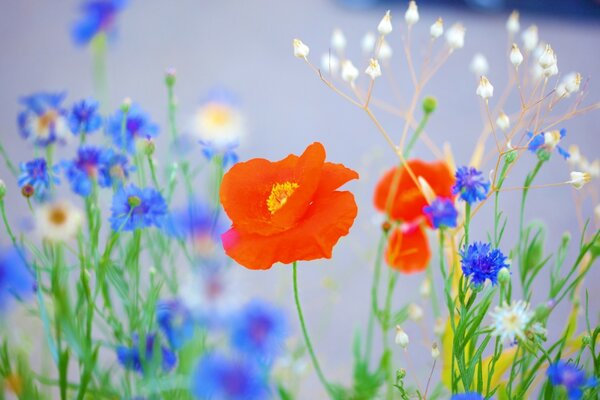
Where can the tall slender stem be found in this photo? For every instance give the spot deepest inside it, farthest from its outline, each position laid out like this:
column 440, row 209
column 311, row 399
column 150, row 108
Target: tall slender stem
column 374, row 300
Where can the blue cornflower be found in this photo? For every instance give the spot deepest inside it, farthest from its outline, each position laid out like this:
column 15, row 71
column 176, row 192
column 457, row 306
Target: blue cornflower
column 481, row 262
column 470, row 184
column 176, row 322
column 99, row 16
column 137, row 126
column 548, row 141
column 467, row 396
column 43, row 121
column 131, row 358
column 84, row 117
column 135, row 208
column 441, row 213
column 573, row 379
column 36, row 174
column 259, row 330
column 221, row 378
column 114, row 169
column 16, row 280
column 83, row 170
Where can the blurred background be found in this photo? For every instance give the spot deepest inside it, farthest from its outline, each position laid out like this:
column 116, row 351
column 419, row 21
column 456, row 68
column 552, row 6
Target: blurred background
column 246, row 47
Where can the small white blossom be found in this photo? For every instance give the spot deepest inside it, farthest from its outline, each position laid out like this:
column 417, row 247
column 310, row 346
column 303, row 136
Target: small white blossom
column 373, row 70
column 485, row 90
column 435, row 351
column 330, row 63
column 510, row 321
column 368, row 43
column 548, row 58
column 58, row 222
column 385, row 51
column 385, row 25
column 579, row 179
column 437, row 28
column 411, row 16
column 512, row 24
column 530, row 38
column 561, row 90
column 503, row 121
column 516, row 57
column 300, row 49
column 594, row 169
column 349, row 71
column 550, row 71
column 455, row 36
column 597, row 211
column 572, row 82
column 440, row 326
column 401, row 338
column 575, row 155
column 551, row 139
column 338, row 40
column 479, row 65
column 415, row 312
column 425, row 288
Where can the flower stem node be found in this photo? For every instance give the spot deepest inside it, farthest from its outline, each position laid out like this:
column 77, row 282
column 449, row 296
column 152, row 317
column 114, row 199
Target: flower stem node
column 579, row 179
column 373, row 70
column 401, row 338
column 429, row 104
column 170, row 76
column 300, row 49
column 512, row 24
column 436, row 29
column 485, row 90
column 385, row 25
column 411, row 16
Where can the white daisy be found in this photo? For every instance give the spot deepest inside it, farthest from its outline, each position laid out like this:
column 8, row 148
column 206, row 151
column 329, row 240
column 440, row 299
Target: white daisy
column 58, row 222
column 510, row 321
column 219, row 122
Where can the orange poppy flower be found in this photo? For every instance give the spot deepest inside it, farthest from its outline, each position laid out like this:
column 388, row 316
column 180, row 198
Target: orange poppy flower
column 408, row 249
column 288, row 210
column 409, row 201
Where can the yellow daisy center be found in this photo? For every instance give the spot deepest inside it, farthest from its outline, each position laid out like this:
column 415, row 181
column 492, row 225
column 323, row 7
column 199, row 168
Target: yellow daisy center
column 280, row 192
column 219, row 115
column 57, row 216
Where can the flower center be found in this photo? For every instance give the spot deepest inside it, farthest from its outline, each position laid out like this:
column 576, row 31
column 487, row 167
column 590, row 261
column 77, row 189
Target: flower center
column 280, row 192
column 45, row 120
column 58, row 216
column 218, row 115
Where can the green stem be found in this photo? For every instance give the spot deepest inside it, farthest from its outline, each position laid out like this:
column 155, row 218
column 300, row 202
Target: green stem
column 528, row 181
column 6, row 224
column 9, row 164
column 374, row 300
column 98, row 46
column 307, row 341
column 385, row 327
column 434, row 299
column 415, row 136
column 467, row 223
column 172, row 107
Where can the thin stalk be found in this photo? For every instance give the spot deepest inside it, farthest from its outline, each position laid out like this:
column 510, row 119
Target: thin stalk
column 374, row 300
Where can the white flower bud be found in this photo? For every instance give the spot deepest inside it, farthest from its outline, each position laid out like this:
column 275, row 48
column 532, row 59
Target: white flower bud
column 437, row 28
column 516, row 58
column 503, row 121
column 439, row 327
column 455, row 36
column 550, row 71
column 338, row 40
column 411, row 16
column 548, row 58
column 373, row 70
column 435, row 351
column 300, row 49
column 368, row 43
column 349, row 71
column 415, row 312
column 572, row 82
column 485, row 90
column 401, row 338
column 425, row 288
column 530, row 38
column 385, row 25
column 385, row 51
column 575, row 155
column 503, row 276
column 579, row 179
column 594, row 169
column 512, row 24
column 479, row 65
column 561, row 91
column 551, row 139
column 330, row 63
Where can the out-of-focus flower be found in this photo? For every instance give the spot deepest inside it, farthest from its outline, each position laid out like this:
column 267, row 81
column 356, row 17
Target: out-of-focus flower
column 572, row 378
column 485, row 90
column 349, row 71
column 338, row 40
column 407, row 249
column 114, row 168
column 415, row 312
column 385, row 51
column 131, row 358
column 437, row 28
column 435, row 351
column 38, row 176
column 219, row 377
column 512, row 24
column 84, row 117
column 126, row 126
column 134, row 208
column 579, row 179
column 471, row 184
column 455, row 36
column 530, row 38
column 99, row 17
column 43, row 121
column 259, row 331
column 373, row 70
column 575, row 155
column 385, row 25
column 176, row 322
column 83, row 171
column 425, row 288
column 569, row 85
column 511, row 320
column 467, row 396
column 516, row 57
column 300, row 49
column 401, row 338
column 16, row 280
column 58, row 222
column 548, row 141
column 548, row 58
column 368, row 43
column 330, row 63
column 503, row 121
column 411, row 16
column 287, row 210
column 441, row 213
column 480, row 262
column 479, row 65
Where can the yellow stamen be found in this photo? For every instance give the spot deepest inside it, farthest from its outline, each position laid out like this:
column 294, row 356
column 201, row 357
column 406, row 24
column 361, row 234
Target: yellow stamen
column 58, row 216
column 279, row 195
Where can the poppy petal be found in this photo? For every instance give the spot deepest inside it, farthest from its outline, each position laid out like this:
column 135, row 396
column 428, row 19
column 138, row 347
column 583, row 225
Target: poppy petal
column 332, row 177
column 408, row 250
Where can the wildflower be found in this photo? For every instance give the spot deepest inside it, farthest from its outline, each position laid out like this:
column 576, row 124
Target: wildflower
column 338, row 40
column 435, row 351
column 467, row 396
column 287, row 210
column 114, row 168
column 579, row 179
column 548, row 141
column 550, row 71
column 594, row 169
column 220, row 377
column 176, row 322
column 373, row 70
column 441, row 213
column 259, row 331
column 349, row 71
column 131, row 358
column 512, row 24
column 407, row 249
column 439, row 327
column 411, row 16
column 569, row 85
column 401, row 338
column 99, row 17
column 129, row 124
column 425, row 288
column 84, row 117
column 511, row 320
column 516, row 58
column 385, row 51
column 480, row 262
column 43, row 121
column 134, row 208
column 437, row 29
column 408, row 203
column 530, row 38
column 570, row 377
column 27, row 191
column 300, row 49
column 548, row 58
column 485, row 90
column 385, row 25
column 368, row 42
column 58, row 222
column 330, row 63
column 575, row 155
column 471, row 185
column 415, row 312
column 479, row 65
column 455, row 36
column 503, row 121
column 16, row 280
column 36, row 175
column 83, row 171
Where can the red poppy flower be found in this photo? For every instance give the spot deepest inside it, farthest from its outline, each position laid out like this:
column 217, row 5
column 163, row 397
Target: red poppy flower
column 409, row 201
column 288, row 210
column 408, row 249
